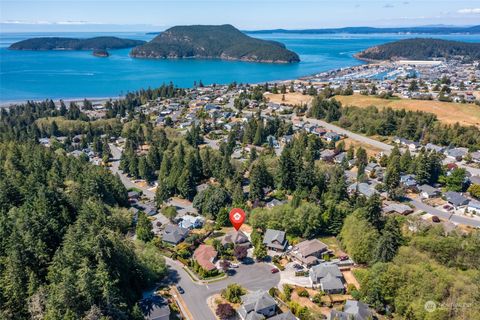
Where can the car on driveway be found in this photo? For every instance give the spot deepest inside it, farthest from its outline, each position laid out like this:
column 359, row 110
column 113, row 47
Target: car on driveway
column 180, row 290
column 435, row 219
column 297, row 266
column 274, row 270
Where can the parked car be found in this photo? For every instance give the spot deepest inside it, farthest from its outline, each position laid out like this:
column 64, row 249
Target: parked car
column 233, row 265
column 297, row 266
column 343, row 258
column 447, row 207
column 435, row 219
column 274, row 270
column 180, row 290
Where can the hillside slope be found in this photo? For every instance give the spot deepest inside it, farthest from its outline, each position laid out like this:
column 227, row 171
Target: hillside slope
column 58, row 43
column 220, row 42
column 421, row 49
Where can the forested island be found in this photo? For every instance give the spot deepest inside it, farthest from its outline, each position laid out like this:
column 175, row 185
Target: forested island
column 58, row 43
column 217, row 42
column 421, row 49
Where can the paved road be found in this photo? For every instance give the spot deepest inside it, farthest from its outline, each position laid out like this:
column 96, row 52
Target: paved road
column 253, row 277
column 115, row 163
column 445, row 215
column 386, row 148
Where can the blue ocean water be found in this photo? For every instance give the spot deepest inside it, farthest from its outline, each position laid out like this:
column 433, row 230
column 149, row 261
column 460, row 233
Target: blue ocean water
column 78, row 74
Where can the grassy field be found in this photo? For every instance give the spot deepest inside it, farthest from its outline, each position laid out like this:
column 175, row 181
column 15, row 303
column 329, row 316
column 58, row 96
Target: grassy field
column 295, row 98
column 447, row 112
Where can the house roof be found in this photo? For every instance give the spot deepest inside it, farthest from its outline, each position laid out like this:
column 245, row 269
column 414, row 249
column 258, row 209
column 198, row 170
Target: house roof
column 235, row 237
column 204, row 255
column 257, row 301
column 353, row 310
column 456, row 198
column 275, row 239
column 428, row 189
column 330, row 282
column 174, row 234
column 309, row 247
column 284, row 316
column 324, row 269
column 364, row 188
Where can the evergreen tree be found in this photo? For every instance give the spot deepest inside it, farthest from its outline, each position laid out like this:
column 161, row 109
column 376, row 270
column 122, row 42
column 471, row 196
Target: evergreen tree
column 144, row 227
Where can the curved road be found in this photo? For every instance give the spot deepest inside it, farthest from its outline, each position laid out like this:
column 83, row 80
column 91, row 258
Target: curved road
column 252, row 277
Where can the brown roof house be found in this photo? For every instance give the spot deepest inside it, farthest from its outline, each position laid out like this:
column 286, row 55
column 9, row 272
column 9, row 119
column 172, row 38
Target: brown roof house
column 308, row 252
column 206, row 256
column 236, row 238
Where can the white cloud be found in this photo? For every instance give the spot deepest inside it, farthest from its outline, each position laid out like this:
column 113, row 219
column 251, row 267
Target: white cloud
column 469, row 11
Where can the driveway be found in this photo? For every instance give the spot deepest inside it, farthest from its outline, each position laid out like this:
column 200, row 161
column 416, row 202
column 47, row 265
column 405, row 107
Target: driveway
column 445, row 215
column 253, row 277
column 287, row 276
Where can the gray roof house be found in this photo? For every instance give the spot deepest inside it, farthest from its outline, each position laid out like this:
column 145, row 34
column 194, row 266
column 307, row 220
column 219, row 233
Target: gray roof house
column 284, row 316
column 275, row 240
column 353, row 310
column 456, row 199
column 174, row 234
column 371, row 167
column 427, row 191
column 257, row 305
column 327, row 277
column 308, row 252
column 364, row 188
column 456, row 153
column 434, row 147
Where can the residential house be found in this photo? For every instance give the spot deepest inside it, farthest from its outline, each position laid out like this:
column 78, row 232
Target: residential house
column 174, row 234
column 408, row 181
column 206, row 256
column 284, row 316
column 191, row 222
column 353, row 310
column 456, row 199
column 339, row 158
column 434, row 147
column 331, row 136
column 133, row 195
column 272, row 141
column 275, row 240
column 308, row 252
column 257, row 305
column 363, row 188
column 474, row 207
column 327, row 277
column 456, row 154
column 274, row 202
column 286, row 139
column 236, row 238
column 399, row 208
column 371, row 167
column 427, row 191
column 475, row 156
column 327, row 155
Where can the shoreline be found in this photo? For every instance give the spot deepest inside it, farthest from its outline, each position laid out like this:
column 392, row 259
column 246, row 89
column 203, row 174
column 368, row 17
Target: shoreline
column 7, row 104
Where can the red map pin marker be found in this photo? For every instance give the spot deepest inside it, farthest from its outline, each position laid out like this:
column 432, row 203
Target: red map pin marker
column 237, row 217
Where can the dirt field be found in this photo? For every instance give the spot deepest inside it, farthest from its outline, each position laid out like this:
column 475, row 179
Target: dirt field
column 295, row 98
column 371, row 151
column 350, row 278
column 466, row 114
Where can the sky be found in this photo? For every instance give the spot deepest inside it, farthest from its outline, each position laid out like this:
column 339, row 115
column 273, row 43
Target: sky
column 157, row 15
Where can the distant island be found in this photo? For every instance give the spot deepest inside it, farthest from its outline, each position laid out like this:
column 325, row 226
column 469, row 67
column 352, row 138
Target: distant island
column 58, row 43
column 214, row 42
column 421, row 49
column 438, row 29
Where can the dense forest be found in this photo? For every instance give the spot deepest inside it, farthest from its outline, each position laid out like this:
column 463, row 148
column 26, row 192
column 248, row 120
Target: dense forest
column 413, row 125
column 222, row 42
column 57, row 43
column 63, row 249
column 422, row 49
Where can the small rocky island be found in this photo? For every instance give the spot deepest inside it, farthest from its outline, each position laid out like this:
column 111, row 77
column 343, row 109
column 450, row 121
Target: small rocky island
column 101, row 53
column 421, row 49
column 213, row 42
column 59, row 43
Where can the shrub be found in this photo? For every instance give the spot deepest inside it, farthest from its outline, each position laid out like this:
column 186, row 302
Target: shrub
column 233, row 292
column 304, row 293
column 225, row 311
